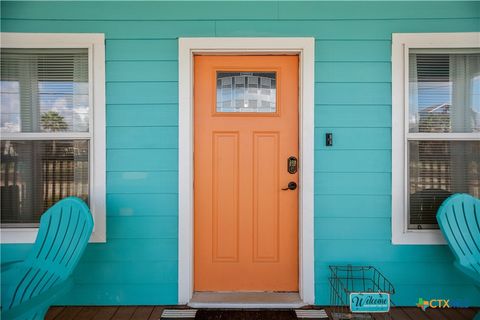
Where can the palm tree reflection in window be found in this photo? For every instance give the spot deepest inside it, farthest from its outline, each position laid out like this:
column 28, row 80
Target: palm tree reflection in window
column 52, row 121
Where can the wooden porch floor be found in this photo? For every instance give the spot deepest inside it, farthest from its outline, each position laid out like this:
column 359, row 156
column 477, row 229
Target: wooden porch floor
column 154, row 313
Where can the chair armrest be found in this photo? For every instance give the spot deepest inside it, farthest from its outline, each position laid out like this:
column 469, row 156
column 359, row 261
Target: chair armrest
column 43, row 300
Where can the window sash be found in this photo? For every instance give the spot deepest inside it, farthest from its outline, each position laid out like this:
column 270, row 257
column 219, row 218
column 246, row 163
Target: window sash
column 47, row 136
column 43, row 76
column 438, row 46
column 92, row 172
column 406, row 182
column 55, row 46
column 39, row 173
column 453, row 174
column 443, row 136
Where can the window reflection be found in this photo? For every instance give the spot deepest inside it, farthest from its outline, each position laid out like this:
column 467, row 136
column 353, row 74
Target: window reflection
column 10, row 99
column 444, row 92
column 44, row 90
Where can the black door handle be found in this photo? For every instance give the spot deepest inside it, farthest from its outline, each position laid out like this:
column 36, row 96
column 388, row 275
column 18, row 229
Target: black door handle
column 291, row 186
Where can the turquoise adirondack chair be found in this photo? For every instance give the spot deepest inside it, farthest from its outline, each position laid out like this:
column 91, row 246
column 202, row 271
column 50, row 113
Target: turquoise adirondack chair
column 459, row 220
column 44, row 275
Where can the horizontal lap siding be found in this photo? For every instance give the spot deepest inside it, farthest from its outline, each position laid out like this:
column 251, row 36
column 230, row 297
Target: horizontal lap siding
column 138, row 264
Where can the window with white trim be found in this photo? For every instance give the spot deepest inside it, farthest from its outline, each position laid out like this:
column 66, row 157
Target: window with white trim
column 435, row 129
column 52, row 91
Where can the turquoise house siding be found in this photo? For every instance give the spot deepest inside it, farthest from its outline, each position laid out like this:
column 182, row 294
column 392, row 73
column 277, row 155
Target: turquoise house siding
column 138, row 264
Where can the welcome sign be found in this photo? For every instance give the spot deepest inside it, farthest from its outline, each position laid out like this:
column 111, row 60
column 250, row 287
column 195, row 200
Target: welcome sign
column 369, row 302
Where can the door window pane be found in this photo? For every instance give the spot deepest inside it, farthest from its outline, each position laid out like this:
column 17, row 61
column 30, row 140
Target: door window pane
column 44, row 90
column 36, row 174
column 444, row 91
column 246, row 92
column 437, row 170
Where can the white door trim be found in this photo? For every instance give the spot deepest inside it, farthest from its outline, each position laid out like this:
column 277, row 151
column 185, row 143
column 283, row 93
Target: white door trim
column 187, row 48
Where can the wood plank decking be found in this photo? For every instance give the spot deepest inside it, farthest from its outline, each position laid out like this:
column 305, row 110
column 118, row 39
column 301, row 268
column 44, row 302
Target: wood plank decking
column 154, row 313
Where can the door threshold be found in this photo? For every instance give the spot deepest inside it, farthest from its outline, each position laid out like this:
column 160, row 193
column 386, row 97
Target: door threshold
column 246, row 300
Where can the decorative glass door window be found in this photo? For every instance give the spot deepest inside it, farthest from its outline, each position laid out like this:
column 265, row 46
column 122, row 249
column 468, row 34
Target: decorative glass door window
column 246, row 92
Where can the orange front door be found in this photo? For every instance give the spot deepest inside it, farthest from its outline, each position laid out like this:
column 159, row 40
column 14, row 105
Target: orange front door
column 246, row 128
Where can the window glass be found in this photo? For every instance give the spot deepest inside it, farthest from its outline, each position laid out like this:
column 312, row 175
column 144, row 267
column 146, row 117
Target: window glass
column 10, row 99
column 444, row 91
column 44, row 90
column 437, row 170
column 246, row 92
column 36, row 174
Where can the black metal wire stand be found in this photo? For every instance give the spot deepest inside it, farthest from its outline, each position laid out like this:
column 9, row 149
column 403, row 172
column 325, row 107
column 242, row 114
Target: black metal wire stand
column 347, row 279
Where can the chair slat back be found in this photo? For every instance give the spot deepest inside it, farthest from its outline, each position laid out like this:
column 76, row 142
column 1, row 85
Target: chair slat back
column 64, row 231
column 459, row 220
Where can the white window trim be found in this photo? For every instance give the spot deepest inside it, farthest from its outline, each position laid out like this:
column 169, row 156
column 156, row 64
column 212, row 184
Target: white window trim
column 401, row 43
column 95, row 43
column 304, row 47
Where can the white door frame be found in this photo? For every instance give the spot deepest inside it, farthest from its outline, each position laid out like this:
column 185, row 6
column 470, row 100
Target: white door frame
column 187, row 48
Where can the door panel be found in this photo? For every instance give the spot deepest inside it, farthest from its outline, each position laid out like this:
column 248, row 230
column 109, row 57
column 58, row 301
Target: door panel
column 265, row 197
column 225, row 197
column 245, row 226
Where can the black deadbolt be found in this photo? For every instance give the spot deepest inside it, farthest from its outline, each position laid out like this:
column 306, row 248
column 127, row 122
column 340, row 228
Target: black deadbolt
column 292, row 165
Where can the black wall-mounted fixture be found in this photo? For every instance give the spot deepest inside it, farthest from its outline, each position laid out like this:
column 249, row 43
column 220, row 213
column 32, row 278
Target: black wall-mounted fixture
column 329, row 139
